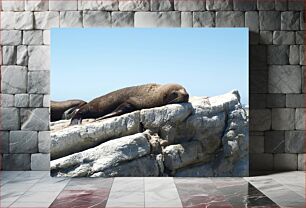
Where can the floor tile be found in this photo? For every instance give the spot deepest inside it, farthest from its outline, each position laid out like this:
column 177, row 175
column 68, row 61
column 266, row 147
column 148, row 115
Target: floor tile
column 89, row 183
column 155, row 184
column 126, row 184
column 125, row 200
column 162, row 198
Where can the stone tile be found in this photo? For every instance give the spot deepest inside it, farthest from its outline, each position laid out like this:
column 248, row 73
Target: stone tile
column 257, row 101
column 96, row 183
column 63, row 5
column 46, row 101
column 274, row 142
column 283, row 118
column 259, row 81
column 39, row 58
column 7, row 20
column 22, row 55
column 163, row 198
column 269, row 20
column 162, row 5
column 46, row 37
column 36, row 100
column 46, row 20
column 297, row 5
column 261, row 161
column 39, row 82
column 281, row 5
column 16, row 162
column 251, row 21
column 302, row 20
column 154, row 184
column 276, row 100
column 294, row 54
column 51, row 184
column 6, row 100
column 256, row 144
column 285, row 162
column 24, row 20
column 246, row 5
column 301, row 162
column 44, row 141
column 134, row 5
column 229, row 19
column 22, row 100
column 10, row 119
column 290, row 20
column 185, row 6
column 130, row 184
column 299, row 119
column 265, row 5
column 97, row 19
column 13, row 5
column 285, row 79
column 216, row 5
column 278, row 54
column 302, row 56
column 11, row 37
column 40, row 161
column 157, row 19
column 36, row 5
column 258, row 56
column 4, row 141
column 186, row 19
column 33, row 37
column 9, row 55
column 283, row 37
column 260, row 120
column 23, row 142
column 13, row 79
column 294, row 142
column 295, row 100
column 99, row 5
column 203, row 19
column 122, row 19
column 299, row 37
column 36, row 119
column 71, row 19
column 125, row 199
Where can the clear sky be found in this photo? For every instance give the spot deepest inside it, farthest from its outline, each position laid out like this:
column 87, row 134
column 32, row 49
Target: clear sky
column 87, row 63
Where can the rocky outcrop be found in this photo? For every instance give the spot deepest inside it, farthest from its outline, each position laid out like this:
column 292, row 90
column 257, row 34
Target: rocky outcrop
column 205, row 137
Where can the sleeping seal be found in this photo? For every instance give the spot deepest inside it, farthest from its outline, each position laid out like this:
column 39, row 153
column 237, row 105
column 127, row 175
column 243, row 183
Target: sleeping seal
column 130, row 99
column 64, row 109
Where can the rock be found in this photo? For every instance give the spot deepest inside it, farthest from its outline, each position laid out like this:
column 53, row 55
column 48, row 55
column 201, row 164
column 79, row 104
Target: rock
column 134, row 5
column 22, row 55
column 33, row 37
column 7, row 20
column 39, row 82
column 203, row 19
column 40, row 162
column 122, row 19
column 98, row 5
column 39, row 57
column 97, row 19
column 157, row 19
column 46, row 20
column 23, row 142
column 11, row 37
column 9, row 54
column 21, row 100
column 44, row 141
column 13, row 79
column 10, row 119
column 71, row 19
column 290, row 20
column 24, row 20
column 16, row 162
column 206, row 137
column 229, row 19
column 185, row 6
column 6, row 100
column 283, row 37
column 35, row 119
column 37, row 5
column 186, row 19
column 101, row 158
column 161, row 5
column 36, row 100
column 269, row 20
column 63, row 5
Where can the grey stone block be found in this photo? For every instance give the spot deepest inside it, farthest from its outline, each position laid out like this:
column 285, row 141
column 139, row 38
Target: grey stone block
column 44, row 141
column 294, row 54
column 259, row 81
column 229, row 19
column 157, row 19
column 134, row 5
column 99, row 5
column 251, row 21
column 16, row 162
column 11, row 37
column 33, row 37
column 63, row 5
column 283, row 118
column 285, row 162
column 36, row 100
column 281, row 5
column 299, row 37
column 6, row 100
column 290, row 21
column 294, row 142
column 301, row 161
column 274, row 141
column 245, row 5
column 39, row 82
column 97, row 19
column 13, row 79
column 37, row 5
column 35, row 119
column 186, row 19
column 24, row 20
column 22, row 100
column 303, row 79
column 122, row 19
column 185, row 6
column 269, row 20
column 4, row 141
column 260, row 120
column 256, row 144
column 276, row 100
column 302, row 20
column 162, row 5
column 257, row 101
column 46, row 101
column 299, row 119
column 261, row 161
column 46, row 20
column 71, row 19
column 203, row 19
column 283, row 37
column 22, row 55
column 266, row 37
column 256, row 133
column 302, row 56
column 40, row 161
column 278, row 54
column 295, row 100
column 13, row 5
column 7, row 20
column 296, row 5
column 285, row 79
column 9, row 55
column 265, row 5
column 46, row 37
column 39, row 58
column 258, row 56
column 23, row 142
column 10, row 119
column 216, row 5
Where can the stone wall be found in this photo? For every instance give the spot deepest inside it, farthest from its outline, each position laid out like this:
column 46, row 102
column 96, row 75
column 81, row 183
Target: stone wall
column 276, row 67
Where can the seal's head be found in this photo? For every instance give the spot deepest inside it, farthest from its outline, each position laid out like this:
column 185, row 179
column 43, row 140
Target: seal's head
column 174, row 93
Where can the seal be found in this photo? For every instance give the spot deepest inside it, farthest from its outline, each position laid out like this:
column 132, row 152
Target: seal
column 130, row 99
column 64, row 109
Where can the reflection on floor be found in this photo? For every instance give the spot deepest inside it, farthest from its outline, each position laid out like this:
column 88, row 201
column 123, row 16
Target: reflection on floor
column 38, row 189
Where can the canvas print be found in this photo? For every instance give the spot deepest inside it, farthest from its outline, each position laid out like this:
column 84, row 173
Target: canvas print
column 149, row 102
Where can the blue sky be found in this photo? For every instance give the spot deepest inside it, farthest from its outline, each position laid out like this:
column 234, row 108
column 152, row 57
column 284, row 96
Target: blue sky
column 87, row 63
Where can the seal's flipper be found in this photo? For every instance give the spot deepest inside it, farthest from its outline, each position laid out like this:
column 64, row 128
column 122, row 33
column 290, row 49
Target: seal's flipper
column 121, row 109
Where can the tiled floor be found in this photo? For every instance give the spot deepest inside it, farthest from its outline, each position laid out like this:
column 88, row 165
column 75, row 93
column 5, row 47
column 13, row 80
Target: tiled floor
column 38, row 189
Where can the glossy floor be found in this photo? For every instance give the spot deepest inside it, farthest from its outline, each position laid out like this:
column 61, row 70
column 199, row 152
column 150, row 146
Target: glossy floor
column 38, row 189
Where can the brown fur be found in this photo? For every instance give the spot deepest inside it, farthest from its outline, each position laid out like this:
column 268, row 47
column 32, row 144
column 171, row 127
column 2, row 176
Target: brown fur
column 58, row 108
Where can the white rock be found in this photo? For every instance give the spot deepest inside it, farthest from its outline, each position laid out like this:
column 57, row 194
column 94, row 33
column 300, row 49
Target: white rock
column 194, row 5
column 11, row 37
column 157, row 19
column 46, row 101
column 39, row 58
column 71, row 19
column 186, row 19
column 97, row 19
column 22, row 55
column 98, row 5
column 9, row 54
column 10, row 119
column 46, row 20
column 44, row 141
column 33, row 37
column 24, row 20
column 14, row 79
column 22, row 100
column 7, row 20
column 13, row 5
column 122, row 19
column 134, row 5
column 40, row 162
column 46, row 37
column 35, row 119
column 161, row 5
column 6, row 100
column 63, row 5
column 36, row 5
